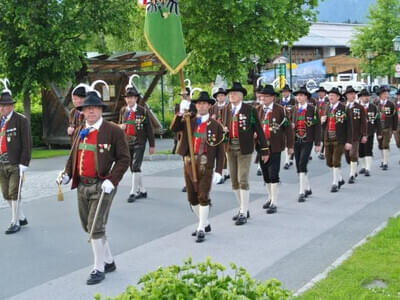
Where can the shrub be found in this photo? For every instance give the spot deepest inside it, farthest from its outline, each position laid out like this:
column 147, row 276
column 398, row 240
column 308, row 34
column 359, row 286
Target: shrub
column 199, row 281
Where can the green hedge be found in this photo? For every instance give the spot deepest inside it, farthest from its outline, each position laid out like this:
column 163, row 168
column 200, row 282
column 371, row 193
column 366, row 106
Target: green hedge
column 200, row 281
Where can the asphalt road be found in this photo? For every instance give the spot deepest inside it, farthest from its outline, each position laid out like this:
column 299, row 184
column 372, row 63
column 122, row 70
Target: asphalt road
column 50, row 258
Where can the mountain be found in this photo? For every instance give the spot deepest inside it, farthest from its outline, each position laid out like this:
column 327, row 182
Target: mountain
column 339, row 11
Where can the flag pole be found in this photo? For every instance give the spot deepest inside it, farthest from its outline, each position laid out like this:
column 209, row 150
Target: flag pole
column 189, row 132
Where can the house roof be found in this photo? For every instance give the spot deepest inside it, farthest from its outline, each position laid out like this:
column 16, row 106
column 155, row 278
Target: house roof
column 328, row 35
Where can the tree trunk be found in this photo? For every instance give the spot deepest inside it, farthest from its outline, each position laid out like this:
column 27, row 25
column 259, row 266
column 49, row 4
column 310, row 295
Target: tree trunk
column 27, row 105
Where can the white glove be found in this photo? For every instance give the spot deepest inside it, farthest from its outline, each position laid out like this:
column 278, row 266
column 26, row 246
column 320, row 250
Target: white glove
column 22, row 169
column 107, row 186
column 216, row 178
column 184, row 105
column 62, row 178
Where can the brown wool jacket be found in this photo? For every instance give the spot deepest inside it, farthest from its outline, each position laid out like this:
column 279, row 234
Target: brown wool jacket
column 215, row 141
column 374, row 124
column 75, row 122
column 216, row 112
column 343, row 125
column 390, row 112
column 358, row 120
column 313, row 124
column 249, row 126
column 113, row 157
column 283, row 136
column 18, row 139
column 144, row 129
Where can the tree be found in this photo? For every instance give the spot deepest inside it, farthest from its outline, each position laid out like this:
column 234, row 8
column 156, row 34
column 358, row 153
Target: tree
column 44, row 41
column 383, row 26
column 221, row 36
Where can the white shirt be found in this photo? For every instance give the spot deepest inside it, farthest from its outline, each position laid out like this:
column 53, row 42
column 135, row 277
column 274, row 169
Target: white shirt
column 350, row 104
column 133, row 108
column 335, row 105
column 383, row 102
column 204, row 118
column 304, row 106
column 95, row 125
column 237, row 108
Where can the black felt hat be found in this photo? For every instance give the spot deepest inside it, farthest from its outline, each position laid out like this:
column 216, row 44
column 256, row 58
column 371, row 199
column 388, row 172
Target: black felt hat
column 237, row 87
column 204, row 97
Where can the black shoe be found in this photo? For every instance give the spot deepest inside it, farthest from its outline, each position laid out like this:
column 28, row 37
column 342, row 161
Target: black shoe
column 381, row 165
column 362, row 171
column 141, row 195
column 266, row 204
column 235, row 217
column 95, row 277
column 221, row 181
column 356, row 175
column 367, row 173
column 132, row 198
column 290, row 163
column 272, row 209
column 286, row 166
column 13, row 228
column 321, row 156
column 241, row 220
column 184, row 189
column 226, row 177
column 308, row 193
column 23, row 222
column 341, row 182
column 384, row 167
column 334, row 188
column 259, row 172
column 206, row 229
column 310, row 158
column 351, row 180
column 108, row 268
column 302, row 198
column 201, row 236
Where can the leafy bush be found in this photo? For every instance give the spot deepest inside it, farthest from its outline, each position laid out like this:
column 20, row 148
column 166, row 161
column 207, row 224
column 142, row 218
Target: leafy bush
column 204, row 280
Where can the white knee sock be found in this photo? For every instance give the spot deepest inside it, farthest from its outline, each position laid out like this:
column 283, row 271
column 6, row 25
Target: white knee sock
column 195, row 209
column 353, row 168
column 140, row 183
column 237, row 195
column 21, row 215
column 98, row 253
column 301, row 183
column 335, row 176
column 108, row 258
column 339, row 174
column 225, row 172
column 14, row 212
column 268, row 185
column 287, row 156
column 244, row 203
column 135, row 183
column 362, row 161
column 203, row 217
column 385, row 156
column 368, row 162
column 307, row 186
column 274, row 193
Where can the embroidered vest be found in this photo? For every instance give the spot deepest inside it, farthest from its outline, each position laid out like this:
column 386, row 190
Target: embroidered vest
column 199, row 139
column 87, row 155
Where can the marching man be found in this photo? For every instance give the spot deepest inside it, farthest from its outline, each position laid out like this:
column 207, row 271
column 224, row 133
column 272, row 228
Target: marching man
column 396, row 133
column 288, row 102
column 216, row 114
column 358, row 120
column 98, row 160
column 373, row 126
column 388, row 116
column 337, row 136
column 307, row 129
column 278, row 133
column 15, row 155
column 207, row 141
column 135, row 122
column 322, row 102
column 76, row 117
column 242, row 123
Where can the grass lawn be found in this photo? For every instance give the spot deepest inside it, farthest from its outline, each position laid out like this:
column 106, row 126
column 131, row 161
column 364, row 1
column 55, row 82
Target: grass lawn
column 45, row 153
column 377, row 259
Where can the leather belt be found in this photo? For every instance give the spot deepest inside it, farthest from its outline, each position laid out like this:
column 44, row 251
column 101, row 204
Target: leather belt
column 88, row 180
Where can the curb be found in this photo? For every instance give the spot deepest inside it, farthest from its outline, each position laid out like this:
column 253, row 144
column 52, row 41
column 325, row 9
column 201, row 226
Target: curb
column 342, row 258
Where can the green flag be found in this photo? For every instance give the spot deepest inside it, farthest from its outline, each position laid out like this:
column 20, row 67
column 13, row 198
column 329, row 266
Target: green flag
column 163, row 33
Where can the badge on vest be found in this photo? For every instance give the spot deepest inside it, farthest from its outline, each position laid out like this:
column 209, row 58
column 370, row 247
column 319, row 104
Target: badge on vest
column 104, row 147
column 356, row 113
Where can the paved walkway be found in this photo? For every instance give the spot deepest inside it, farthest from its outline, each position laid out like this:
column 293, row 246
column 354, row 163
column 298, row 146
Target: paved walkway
column 294, row 245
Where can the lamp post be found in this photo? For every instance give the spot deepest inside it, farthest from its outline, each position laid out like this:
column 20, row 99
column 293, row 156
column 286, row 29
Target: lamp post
column 396, row 48
column 370, row 56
